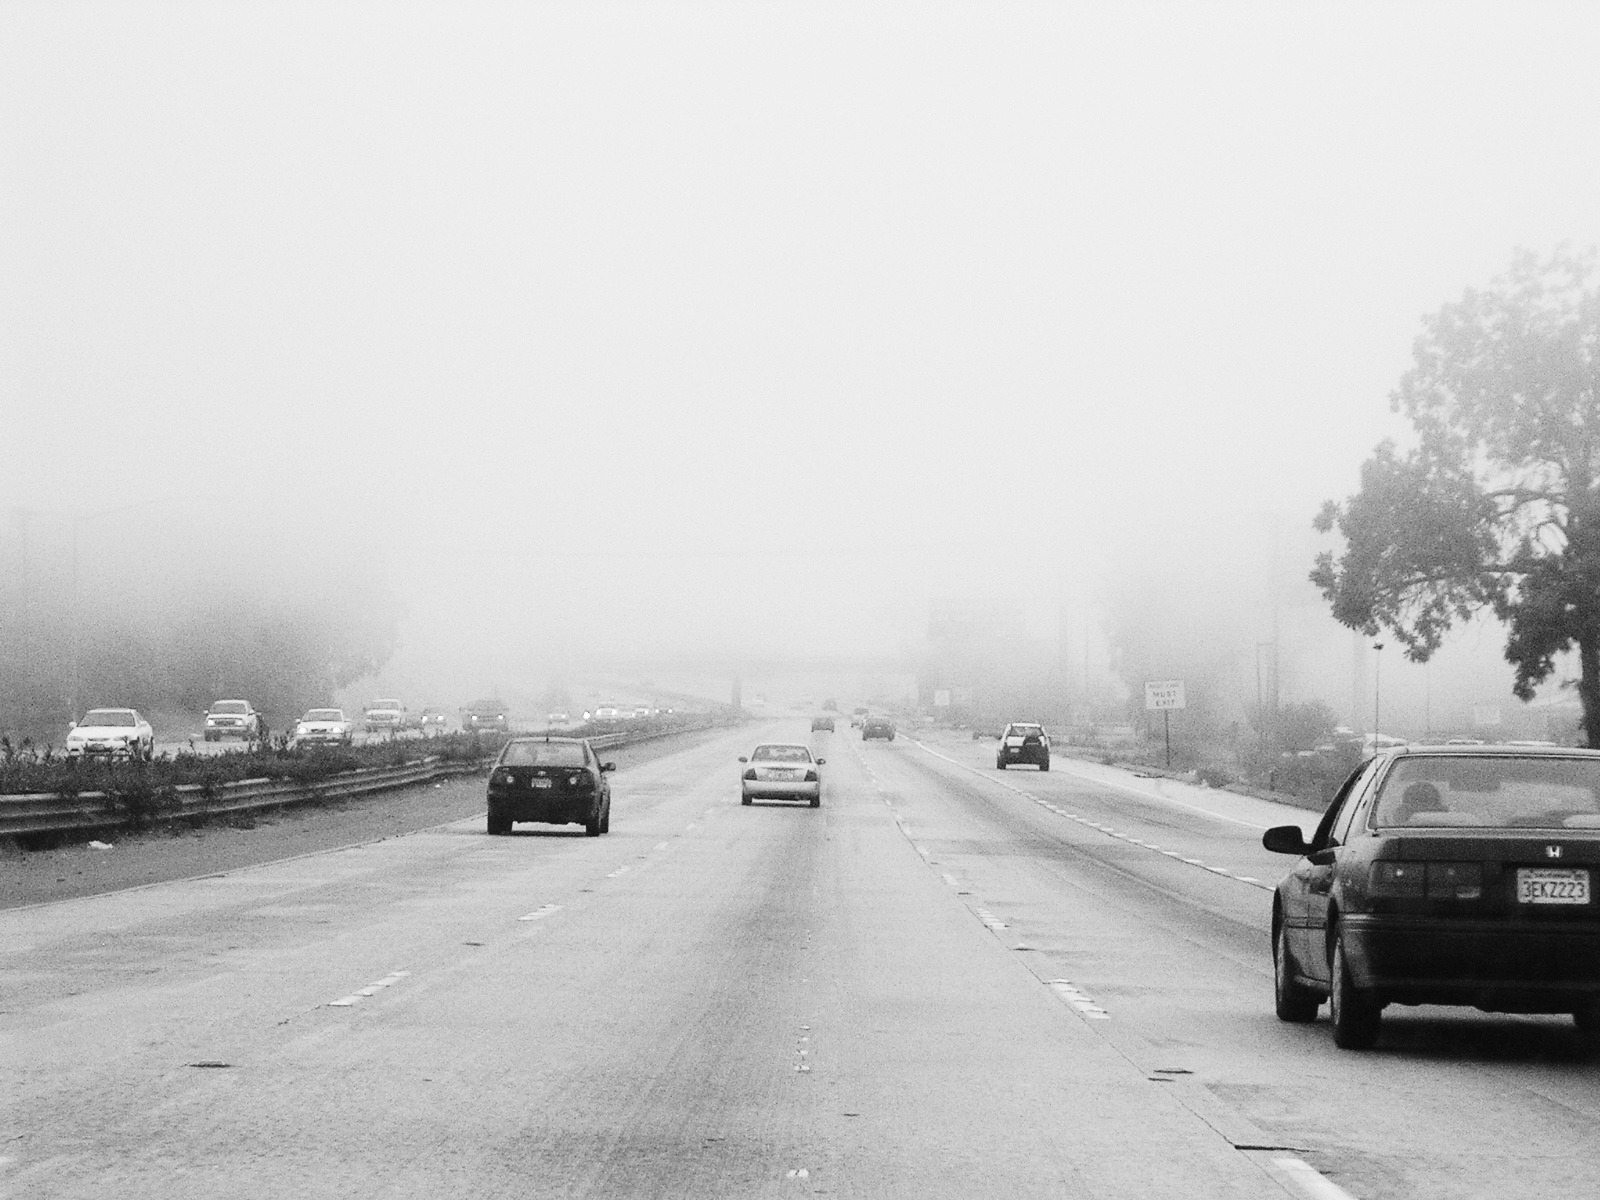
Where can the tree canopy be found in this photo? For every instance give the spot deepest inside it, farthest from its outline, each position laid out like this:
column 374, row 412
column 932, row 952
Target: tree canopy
column 1495, row 504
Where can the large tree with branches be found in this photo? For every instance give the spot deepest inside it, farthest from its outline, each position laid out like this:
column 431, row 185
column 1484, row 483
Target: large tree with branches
column 1496, row 502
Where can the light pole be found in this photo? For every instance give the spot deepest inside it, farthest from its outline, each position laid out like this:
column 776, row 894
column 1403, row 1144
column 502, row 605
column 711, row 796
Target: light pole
column 1377, row 693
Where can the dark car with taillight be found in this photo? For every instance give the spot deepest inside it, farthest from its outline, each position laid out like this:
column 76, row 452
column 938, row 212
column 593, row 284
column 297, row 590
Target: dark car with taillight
column 555, row 781
column 1023, row 742
column 1459, row 875
column 877, row 727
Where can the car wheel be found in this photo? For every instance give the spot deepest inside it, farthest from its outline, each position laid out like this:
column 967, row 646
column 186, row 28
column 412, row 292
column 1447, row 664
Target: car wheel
column 1294, row 1002
column 605, row 819
column 744, row 797
column 1045, row 765
column 1356, row 1012
column 1587, row 1018
column 816, row 802
column 592, row 828
column 498, row 825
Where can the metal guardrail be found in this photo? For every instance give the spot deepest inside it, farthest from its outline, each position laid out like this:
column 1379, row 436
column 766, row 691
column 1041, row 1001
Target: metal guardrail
column 52, row 813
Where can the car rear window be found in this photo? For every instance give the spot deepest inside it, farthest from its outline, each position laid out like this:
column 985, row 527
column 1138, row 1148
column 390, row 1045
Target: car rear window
column 229, row 706
column 543, row 754
column 1490, row 791
column 781, row 754
column 1026, row 730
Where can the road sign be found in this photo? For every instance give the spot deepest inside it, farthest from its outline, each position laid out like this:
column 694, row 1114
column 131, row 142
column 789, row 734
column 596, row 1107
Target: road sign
column 1164, row 694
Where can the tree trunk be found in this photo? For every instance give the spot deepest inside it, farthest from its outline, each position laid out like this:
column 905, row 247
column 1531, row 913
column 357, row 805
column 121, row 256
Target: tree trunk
column 1589, row 686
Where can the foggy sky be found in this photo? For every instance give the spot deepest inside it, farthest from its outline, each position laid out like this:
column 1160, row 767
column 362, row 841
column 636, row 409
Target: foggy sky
column 745, row 327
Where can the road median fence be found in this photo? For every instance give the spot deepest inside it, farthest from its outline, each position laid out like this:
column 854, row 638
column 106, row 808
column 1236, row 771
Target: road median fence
column 136, row 801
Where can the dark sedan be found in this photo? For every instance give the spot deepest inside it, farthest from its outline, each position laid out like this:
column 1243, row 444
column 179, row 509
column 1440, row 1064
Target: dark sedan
column 1458, row 875
column 556, row 781
column 877, row 727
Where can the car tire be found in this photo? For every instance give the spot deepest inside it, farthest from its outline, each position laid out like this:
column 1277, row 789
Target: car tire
column 816, row 802
column 1293, row 1002
column 498, row 825
column 605, row 819
column 1357, row 1014
column 1045, row 765
column 592, row 828
column 744, row 797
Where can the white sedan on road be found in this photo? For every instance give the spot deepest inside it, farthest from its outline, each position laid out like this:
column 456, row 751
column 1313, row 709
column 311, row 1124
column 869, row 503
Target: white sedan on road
column 781, row 771
column 113, row 732
column 324, row 726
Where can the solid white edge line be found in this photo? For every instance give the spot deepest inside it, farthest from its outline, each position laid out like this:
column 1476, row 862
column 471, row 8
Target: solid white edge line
column 1310, row 1180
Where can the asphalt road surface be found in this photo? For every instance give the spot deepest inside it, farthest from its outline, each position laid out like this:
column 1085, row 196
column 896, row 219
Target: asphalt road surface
column 948, row 981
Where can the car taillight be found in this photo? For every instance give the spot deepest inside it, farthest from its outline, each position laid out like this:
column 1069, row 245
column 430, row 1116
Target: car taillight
column 578, row 779
column 1436, row 881
column 750, row 774
column 1397, row 879
column 502, row 776
column 811, row 777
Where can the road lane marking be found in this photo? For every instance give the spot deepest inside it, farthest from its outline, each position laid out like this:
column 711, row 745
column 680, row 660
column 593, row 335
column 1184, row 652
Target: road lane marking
column 1107, row 830
column 1080, row 1000
column 1310, row 1181
column 618, row 871
column 371, row 989
column 989, row 919
column 543, row 911
column 662, row 845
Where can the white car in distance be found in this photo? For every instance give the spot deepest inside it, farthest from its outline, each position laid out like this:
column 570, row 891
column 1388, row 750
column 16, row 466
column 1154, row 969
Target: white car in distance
column 113, row 732
column 324, row 727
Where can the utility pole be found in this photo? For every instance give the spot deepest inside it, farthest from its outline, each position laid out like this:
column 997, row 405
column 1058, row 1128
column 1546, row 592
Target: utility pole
column 1377, row 681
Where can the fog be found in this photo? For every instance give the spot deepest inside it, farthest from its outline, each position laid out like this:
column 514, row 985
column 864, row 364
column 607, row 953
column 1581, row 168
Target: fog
column 732, row 333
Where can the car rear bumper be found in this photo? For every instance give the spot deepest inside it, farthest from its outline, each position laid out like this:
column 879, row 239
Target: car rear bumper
column 547, row 810
column 1024, row 754
column 772, row 789
column 1527, row 966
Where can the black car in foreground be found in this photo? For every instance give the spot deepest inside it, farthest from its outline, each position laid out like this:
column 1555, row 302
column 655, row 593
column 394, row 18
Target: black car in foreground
column 1460, row 875
column 556, row 781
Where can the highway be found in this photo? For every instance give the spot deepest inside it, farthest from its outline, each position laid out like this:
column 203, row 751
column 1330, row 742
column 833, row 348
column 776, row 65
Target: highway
column 948, row 981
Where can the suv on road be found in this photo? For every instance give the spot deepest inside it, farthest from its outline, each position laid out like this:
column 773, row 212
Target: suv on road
column 877, row 727
column 1023, row 742
column 385, row 716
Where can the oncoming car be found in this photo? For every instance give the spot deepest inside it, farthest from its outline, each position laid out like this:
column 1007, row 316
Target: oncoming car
column 485, row 715
column 1461, row 875
column 1023, row 742
column 324, row 727
column 112, row 732
column 232, row 718
column 781, row 771
column 555, row 781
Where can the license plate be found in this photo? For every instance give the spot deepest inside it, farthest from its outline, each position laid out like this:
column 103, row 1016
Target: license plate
column 1552, row 885
column 540, row 783
column 786, row 776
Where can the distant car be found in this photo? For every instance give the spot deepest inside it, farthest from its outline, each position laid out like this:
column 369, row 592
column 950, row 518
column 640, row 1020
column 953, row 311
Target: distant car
column 324, row 727
column 555, row 781
column 821, row 723
column 431, row 721
column 830, row 705
column 485, row 715
column 877, row 727
column 232, row 718
column 113, row 733
column 1023, row 742
column 642, row 710
column 556, row 718
column 1460, row 875
column 781, row 771
column 608, row 712
column 386, row 716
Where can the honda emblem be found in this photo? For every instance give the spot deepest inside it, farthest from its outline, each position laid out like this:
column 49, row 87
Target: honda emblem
column 1552, row 851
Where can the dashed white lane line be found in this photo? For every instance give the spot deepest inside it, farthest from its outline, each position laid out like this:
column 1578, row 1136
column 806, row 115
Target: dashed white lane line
column 540, row 913
column 800, row 1173
column 1079, row 999
column 619, row 871
column 662, row 845
column 1108, row 830
column 989, row 919
column 1310, row 1181
column 372, row 989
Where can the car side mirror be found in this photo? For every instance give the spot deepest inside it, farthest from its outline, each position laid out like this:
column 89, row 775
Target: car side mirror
column 821, row 762
column 1286, row 839
column 608, row 766
column 742, row 758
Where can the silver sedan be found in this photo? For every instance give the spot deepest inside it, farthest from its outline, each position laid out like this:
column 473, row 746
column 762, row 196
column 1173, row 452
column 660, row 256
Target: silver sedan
column 781, row 771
